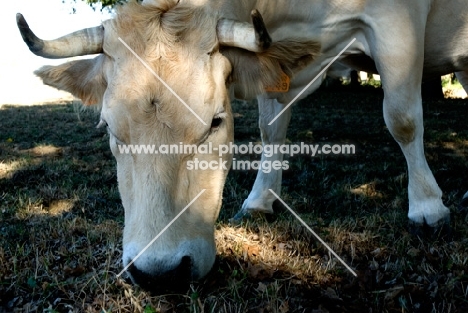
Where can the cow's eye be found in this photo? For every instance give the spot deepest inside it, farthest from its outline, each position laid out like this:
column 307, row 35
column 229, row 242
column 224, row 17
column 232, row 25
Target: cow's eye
column 217, row 120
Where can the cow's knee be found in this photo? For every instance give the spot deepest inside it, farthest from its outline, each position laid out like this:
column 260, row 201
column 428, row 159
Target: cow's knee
column 404, row 122
column 403, row 128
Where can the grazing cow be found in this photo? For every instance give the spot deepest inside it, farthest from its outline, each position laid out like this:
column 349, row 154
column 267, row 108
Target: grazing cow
column 204, row 48
column 181, row 43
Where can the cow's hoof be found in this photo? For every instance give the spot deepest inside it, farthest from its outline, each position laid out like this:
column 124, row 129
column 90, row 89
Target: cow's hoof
column 249, row 214
column 255, row 205
column 240, row 216
column 441, row 231
column 463, row 207
column 245, row 215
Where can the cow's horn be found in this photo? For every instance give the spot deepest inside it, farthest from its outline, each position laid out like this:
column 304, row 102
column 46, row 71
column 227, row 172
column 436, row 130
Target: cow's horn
column 244, row 35
column 82, row 42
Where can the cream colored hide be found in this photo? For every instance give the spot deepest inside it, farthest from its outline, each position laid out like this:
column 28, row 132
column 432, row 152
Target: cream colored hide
column 194, row 50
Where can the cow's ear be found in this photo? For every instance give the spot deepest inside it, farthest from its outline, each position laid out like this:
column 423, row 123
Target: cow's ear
column 253, row 72
column 82, row 78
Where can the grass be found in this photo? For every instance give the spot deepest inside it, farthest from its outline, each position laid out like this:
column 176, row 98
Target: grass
column 452, row 87
column 450, row 81
column 61, row 218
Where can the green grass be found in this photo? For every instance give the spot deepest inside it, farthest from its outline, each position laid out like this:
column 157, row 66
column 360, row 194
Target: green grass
column 450, row 81
column 61, row 218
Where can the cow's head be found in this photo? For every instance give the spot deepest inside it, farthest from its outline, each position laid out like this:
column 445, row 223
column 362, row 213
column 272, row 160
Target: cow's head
column 198, row 55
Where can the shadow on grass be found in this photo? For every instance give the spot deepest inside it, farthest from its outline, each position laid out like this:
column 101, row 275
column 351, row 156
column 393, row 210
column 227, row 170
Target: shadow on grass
column 61, row 218
column 59, row 202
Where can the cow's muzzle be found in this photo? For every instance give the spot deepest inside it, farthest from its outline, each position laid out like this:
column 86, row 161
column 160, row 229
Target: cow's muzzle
column 176, row 279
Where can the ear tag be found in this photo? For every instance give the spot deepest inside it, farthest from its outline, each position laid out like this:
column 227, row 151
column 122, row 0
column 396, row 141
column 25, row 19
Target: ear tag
column 282, row 85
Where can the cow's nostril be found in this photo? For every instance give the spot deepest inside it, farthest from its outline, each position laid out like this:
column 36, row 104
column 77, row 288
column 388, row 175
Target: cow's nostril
column 175, row 279
column 186, row 264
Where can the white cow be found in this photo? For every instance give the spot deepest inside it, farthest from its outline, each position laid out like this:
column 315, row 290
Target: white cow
column 200, row 49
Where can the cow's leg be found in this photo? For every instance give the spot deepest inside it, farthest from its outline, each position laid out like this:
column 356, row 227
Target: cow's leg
column 424, row 195
column 403, row 117
column 401, row 79
column 260, row 198
column 405, row 123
